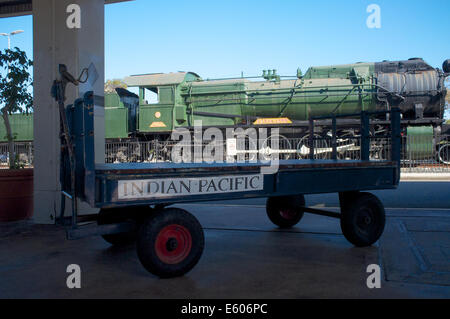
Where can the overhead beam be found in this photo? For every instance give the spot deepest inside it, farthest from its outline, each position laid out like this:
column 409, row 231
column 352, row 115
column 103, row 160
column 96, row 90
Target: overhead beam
column 15, row 8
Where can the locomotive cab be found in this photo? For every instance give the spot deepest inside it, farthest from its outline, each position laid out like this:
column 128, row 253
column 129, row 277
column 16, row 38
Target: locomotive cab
column 159, row 105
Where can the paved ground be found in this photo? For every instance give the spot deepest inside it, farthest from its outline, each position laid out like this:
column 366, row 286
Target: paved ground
column 247, row 257
column 411, row 194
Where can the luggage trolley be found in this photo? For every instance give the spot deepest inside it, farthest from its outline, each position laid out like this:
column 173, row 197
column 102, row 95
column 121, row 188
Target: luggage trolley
column 135, row 199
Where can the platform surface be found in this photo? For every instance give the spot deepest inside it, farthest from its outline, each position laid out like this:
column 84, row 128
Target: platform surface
column 247, row 257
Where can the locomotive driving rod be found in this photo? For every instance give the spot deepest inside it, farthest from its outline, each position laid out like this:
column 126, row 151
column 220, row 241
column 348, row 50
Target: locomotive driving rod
column 59, row 94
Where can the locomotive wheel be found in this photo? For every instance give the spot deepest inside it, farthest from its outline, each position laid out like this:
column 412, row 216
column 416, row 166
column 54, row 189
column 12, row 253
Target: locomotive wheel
column 170, row 242
column 319, row 143
column 118, row 215
column 283, row 145
column 444, row 154
column 285, row 211
column 363, row 219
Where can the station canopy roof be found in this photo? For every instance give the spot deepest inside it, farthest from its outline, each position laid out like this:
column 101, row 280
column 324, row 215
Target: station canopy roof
column 14, row 8
column 160, row 79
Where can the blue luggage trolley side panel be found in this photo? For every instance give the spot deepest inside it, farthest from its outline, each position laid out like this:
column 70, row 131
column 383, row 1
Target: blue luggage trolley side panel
column 76, row 120
column 149, row 189
column 172, row 183
column 89, row 148
column 316, row 181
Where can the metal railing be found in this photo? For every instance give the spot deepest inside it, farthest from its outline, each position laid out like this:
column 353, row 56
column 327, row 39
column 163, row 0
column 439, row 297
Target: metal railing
column 24, row 153
column 434, row 158
column 426, row 154
column 420, row 154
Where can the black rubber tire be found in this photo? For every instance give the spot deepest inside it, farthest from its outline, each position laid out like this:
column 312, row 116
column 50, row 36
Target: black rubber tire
column 118, row 215
column 363, row 219
column 285, row 211
column 153, row 232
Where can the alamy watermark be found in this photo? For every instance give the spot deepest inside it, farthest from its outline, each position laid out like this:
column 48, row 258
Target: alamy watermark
column 73, row 20
column 74, row 279
column 374, row 19
column 374, row 279
column 239, row 145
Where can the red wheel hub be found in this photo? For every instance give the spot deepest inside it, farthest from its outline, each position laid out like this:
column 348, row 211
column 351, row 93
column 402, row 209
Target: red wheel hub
column 288, row 213
column 173, row 244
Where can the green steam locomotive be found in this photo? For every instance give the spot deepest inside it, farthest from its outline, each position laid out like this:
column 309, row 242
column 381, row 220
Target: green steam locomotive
column 182, row 98
column 177, row 100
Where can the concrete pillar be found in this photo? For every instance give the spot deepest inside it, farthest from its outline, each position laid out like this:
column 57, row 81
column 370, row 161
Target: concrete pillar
column 55, row 43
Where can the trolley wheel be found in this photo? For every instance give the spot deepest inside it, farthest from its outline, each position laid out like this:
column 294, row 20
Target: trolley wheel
column 285, row 211
column 363, row 219
column 170, row 242
column 118, row 215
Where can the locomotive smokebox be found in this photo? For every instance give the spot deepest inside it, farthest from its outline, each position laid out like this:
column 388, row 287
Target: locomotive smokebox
column 420, row 86
column 446, row 66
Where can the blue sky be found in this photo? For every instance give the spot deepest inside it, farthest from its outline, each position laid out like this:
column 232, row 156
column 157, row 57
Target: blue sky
column 223, row 38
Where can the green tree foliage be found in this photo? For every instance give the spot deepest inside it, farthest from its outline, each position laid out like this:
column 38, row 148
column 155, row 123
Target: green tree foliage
column 111, row 85
column 15, row 81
